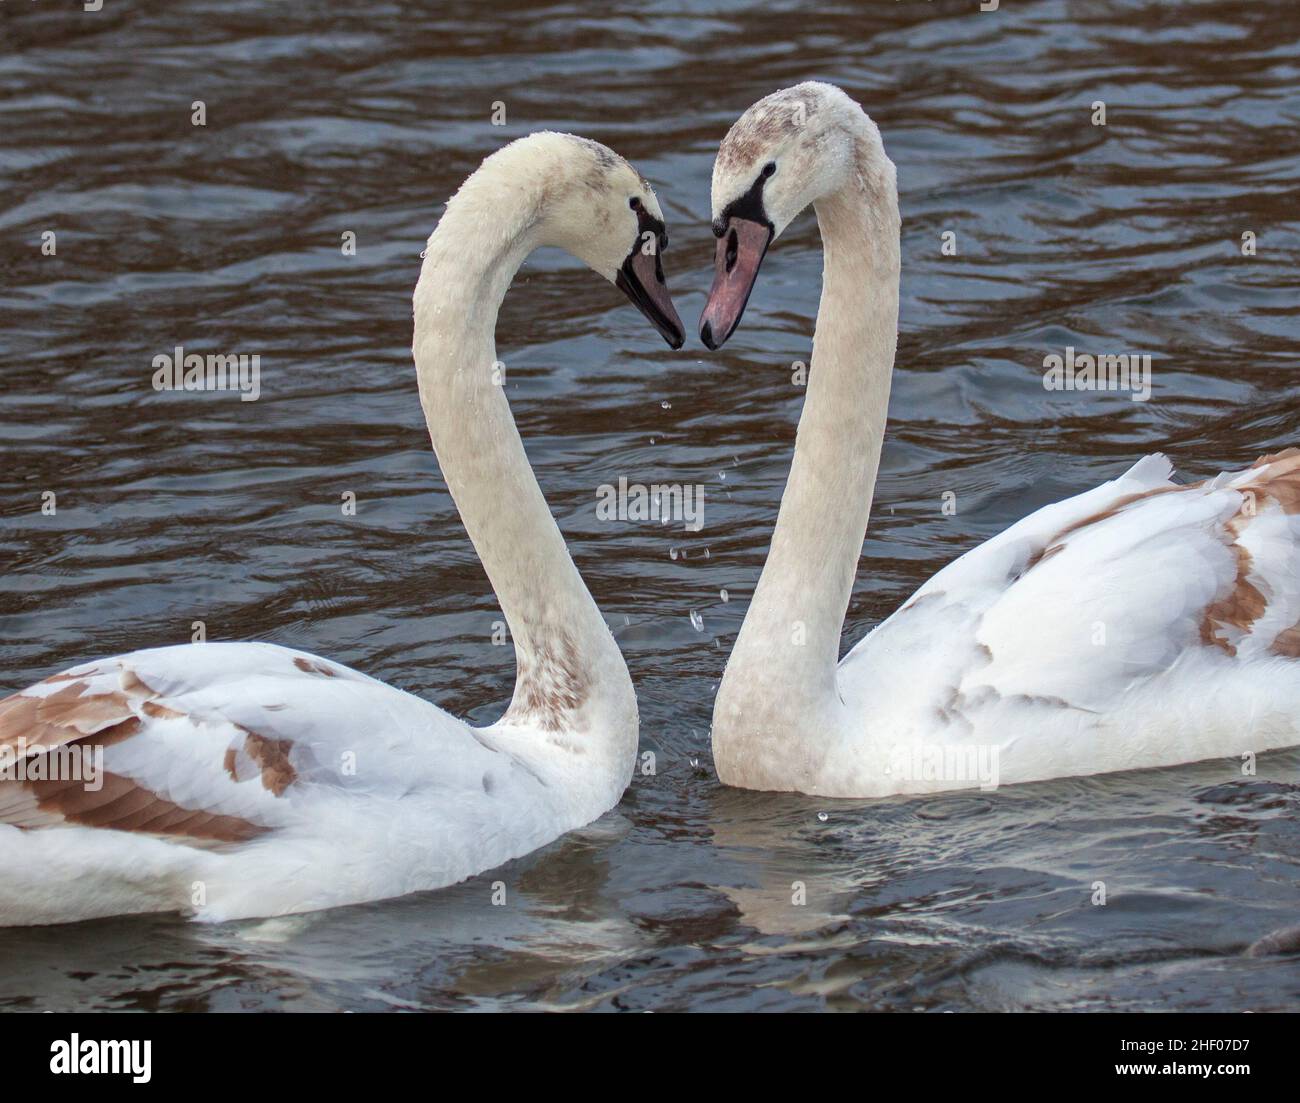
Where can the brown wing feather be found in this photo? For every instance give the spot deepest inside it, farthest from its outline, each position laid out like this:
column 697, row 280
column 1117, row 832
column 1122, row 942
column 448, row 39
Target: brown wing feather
column 1278, row 480
column 1237, row 609
column 44, row 727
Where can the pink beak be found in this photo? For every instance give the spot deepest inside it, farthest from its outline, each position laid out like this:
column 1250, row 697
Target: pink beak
column 741, row 249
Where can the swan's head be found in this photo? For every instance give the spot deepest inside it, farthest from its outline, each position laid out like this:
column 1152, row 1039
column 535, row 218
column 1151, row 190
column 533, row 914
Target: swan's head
column 790, row 149
column 580, row 196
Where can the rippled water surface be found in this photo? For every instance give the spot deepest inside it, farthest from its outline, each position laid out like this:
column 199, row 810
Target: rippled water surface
column 176, row 508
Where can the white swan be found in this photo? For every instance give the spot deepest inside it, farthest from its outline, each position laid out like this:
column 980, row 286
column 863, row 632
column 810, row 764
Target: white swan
column 246, row 779
column 1140, row 624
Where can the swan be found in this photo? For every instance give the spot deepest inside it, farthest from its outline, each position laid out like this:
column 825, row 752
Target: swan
column 1140, row 624
column 233, row 780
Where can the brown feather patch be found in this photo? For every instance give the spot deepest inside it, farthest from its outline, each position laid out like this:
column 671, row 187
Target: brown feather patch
column 1239, row 608
column 159, row 712
column 272, row 757
column 122, row 804
column 1287, row 643
column 18, row 720
column 1280, row 480
column 1244, row 604
column 69, row 709
column 68, row 676
column 133, row 684
column 309, row 667
column 66, row 718
column 1285, row 454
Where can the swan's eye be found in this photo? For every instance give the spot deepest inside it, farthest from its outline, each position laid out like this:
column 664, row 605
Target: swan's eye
column 769, row 168
column 635, row 203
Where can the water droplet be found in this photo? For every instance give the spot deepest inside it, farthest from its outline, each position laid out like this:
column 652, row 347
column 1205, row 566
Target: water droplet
column 424, row 253
column 724, row 595
column 706, row 553
column 722, row 475
column 694, row 762
column 672, row 554
column 697, row 621
column 666, row 404
column 823, row 816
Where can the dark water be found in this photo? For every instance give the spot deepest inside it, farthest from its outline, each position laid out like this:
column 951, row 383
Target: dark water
column 176, row 508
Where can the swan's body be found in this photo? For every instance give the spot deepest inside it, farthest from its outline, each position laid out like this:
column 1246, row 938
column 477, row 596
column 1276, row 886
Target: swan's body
column 247, row 779
column 1139, row 624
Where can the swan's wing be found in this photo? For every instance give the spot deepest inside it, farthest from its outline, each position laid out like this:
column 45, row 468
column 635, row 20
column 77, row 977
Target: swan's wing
column 1081, row 601
column 984, row 568
column 215, row 744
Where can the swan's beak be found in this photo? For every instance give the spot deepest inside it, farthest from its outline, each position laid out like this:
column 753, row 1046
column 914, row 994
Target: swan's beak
column 741, row 249
column 641, row 279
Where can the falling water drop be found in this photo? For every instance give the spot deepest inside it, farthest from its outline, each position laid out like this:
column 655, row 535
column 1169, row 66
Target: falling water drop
column 724, row 595
column 697, row 621
column 823, row 816
column 666, row 404
column 672, row 554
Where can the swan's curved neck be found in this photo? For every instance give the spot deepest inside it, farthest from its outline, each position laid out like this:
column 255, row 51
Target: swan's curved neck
column 571, row 676
column 788, row 646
